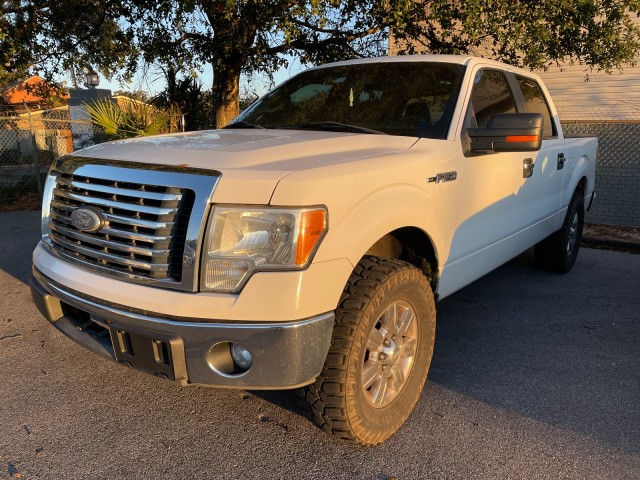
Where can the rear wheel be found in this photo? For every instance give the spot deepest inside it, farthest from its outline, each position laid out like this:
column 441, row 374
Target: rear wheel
column 558, row 252
column 380, row 353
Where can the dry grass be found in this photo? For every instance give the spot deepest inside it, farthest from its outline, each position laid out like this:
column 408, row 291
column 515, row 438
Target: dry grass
column 20, row 195
column 612, row 232
column 26, row 201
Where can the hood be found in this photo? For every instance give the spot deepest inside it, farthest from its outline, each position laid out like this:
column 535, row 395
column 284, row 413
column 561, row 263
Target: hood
column 251, row 161
column 249, row 149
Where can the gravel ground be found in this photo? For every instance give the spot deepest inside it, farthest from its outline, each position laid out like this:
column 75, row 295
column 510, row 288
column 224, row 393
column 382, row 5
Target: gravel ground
column 534, row 376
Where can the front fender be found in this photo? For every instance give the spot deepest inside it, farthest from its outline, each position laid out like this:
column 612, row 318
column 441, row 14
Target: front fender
column 376, row 215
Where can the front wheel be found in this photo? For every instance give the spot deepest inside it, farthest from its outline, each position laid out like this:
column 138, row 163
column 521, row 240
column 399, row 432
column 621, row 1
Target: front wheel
column 558, row 252
column 380, row 353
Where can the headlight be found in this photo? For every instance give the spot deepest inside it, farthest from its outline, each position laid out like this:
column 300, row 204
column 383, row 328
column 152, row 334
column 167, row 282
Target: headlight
column 243, row 240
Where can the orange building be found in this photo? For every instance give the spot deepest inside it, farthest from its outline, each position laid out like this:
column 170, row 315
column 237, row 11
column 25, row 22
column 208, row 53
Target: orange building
column 22, row 91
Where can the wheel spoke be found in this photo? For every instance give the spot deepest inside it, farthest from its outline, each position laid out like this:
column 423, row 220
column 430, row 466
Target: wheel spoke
column 408, row 348
column 379, row 390
column 376, row 337
column 389, row 318
column 370, row 373
column 398, row 377
column 405, row 319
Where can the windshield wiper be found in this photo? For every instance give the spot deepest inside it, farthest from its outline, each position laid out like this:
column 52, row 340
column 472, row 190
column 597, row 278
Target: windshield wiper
column 242, row 124
column 332, row 127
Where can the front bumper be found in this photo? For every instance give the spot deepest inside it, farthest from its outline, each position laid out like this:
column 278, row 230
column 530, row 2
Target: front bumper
column 284, row 354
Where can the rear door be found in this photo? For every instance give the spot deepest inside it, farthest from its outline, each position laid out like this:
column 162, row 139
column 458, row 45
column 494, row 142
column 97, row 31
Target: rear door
column 549, row 171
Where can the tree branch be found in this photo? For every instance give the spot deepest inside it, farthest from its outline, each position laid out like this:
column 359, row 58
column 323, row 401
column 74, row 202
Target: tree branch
column 312, row 45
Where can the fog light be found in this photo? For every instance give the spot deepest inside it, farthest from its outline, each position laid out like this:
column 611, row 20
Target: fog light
column 241, row 356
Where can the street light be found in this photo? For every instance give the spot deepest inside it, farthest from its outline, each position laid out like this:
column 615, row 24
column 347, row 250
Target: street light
column 92, row 79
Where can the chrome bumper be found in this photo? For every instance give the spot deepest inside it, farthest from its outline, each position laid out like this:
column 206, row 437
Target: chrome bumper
column 284, row 355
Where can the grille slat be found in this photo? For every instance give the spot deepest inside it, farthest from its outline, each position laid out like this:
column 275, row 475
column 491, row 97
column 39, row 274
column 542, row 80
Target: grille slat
column 137, row 222
column 140, row 225
column 94, row 240
column 119, row 191
column 116, row 232
column 120, row 205
column 106, row 257
column 129, row 221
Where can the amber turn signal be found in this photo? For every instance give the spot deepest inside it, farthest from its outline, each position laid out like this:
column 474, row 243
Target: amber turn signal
column 522, row 138
column 313, row 224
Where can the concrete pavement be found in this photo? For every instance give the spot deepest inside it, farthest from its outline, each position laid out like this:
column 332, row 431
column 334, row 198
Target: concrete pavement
column 534, row 375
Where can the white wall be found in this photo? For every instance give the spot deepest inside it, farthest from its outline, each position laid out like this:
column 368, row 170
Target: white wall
column 580, row 93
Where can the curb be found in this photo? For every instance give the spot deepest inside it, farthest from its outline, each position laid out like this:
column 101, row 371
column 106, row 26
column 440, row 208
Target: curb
column 617, row 244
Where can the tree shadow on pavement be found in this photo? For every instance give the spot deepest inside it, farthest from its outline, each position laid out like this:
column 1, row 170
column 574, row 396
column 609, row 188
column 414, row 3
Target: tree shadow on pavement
column 561, row 349
column 19, row 234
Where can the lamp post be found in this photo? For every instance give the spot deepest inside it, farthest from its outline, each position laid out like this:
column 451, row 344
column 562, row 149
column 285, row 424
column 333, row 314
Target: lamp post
column 92, row 79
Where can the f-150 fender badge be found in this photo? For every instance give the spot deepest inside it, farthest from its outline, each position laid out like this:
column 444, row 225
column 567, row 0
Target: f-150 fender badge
column 443, row 177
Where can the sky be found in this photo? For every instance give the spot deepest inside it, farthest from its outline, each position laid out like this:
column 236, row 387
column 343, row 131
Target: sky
column 153, row 81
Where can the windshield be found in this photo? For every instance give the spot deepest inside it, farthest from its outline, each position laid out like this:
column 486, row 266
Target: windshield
column 404, row 98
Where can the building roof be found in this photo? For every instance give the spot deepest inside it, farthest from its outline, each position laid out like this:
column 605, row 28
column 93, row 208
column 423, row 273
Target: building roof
column 16, row 93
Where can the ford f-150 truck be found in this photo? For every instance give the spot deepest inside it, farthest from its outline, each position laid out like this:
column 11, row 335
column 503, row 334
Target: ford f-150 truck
column 304, row 245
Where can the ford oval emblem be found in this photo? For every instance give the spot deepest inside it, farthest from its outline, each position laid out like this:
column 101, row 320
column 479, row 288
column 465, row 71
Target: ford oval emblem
column 87, row 219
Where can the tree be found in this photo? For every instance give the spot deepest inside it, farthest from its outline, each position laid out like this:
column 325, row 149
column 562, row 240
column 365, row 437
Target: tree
column 530, row 34
column 54, row 35
column 234, row 36
column 131, row 119
column 186, row 96
column 253, row 35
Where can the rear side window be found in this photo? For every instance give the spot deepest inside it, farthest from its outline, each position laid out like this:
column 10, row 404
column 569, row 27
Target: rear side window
column 490, row 95
column 537, row 103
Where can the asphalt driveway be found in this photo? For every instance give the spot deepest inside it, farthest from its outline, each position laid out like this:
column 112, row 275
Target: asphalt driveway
column 535, row 375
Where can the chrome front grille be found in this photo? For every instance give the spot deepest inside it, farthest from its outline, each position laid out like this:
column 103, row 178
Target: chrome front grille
column 139, row 229
column 147, row 233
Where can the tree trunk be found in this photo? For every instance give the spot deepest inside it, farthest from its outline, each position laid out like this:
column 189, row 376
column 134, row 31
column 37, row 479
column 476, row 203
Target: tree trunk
column 225, row 95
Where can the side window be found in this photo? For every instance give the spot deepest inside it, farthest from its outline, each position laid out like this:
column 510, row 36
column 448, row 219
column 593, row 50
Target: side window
column 490, row 95
column 536, row 103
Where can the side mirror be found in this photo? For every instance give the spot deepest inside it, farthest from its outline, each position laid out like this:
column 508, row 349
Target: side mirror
column 508, row 132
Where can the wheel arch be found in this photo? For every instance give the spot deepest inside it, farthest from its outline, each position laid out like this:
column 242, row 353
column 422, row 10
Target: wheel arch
column 581, row 188
column 412, row 245
column 579, row 180
column 581, row 185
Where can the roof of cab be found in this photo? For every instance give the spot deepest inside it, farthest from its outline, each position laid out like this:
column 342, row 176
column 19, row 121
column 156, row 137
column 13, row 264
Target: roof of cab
column 466, row 60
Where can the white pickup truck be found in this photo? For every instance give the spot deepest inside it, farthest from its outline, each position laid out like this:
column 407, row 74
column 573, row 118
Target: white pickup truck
column 304, row 245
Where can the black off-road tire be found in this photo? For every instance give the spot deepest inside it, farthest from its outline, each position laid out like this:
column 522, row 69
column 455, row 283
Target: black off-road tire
column 558, row 252
column 337, row 401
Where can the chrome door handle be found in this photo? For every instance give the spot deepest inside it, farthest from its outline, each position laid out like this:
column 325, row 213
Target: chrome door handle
column 527, row 167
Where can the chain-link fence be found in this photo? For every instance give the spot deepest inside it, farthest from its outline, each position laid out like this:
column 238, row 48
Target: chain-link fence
column 30, row 140
column 617, row 171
